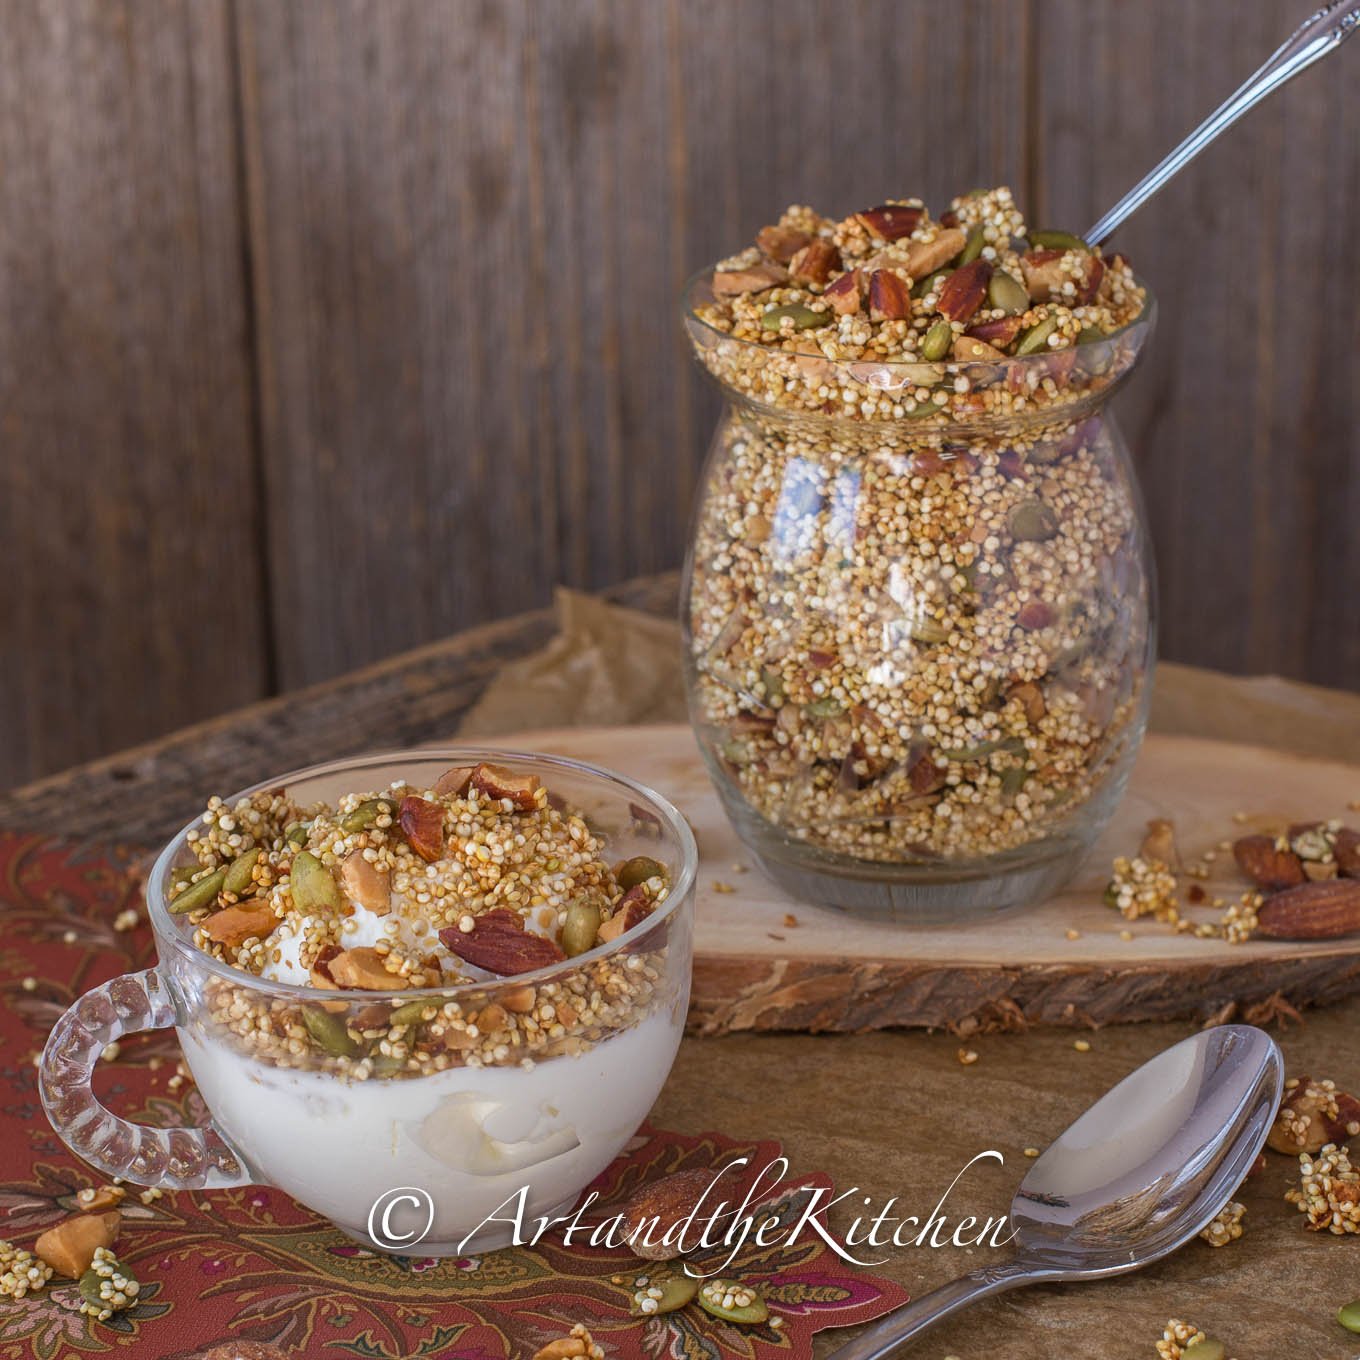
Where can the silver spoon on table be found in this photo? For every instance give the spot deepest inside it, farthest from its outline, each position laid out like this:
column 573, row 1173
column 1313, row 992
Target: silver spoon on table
column 1140, row 1173
column 1314, row 39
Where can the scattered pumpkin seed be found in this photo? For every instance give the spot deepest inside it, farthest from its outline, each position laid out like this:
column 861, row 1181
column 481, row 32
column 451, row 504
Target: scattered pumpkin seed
column 937, row 341
column 89, row 1289
column 1013, row 780
column 201, row 894
column 363, row 816
column 773, row 682
column 827, row 707
column 583, row 924
column 676, row 1292
column 973, row 246
column 1090, row 335
column 296, row 833
column 1032, row 522
column 182, row 873
column 1034, row 339
column 713, row 1293
column 411, row 1012
column 931, row 283
column 924, row 408
column 1007, row 292
column 638, row 870
column 329, row 1033
column 1057, row 240
column 737, row 752
column 1208, row 1349
column 1349, row 1316
column 313, row 886
column 803, row 317
column 238, row 879
column 928, row 631
column 385, row 1064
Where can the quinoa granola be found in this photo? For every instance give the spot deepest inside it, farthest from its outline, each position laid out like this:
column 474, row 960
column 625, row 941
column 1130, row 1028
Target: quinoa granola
column 917, row 613
column 467, row 884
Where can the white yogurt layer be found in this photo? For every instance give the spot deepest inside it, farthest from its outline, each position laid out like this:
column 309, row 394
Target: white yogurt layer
column 469, row 1136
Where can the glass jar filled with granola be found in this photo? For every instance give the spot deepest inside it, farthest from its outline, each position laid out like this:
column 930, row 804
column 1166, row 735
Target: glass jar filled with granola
column 918, row 597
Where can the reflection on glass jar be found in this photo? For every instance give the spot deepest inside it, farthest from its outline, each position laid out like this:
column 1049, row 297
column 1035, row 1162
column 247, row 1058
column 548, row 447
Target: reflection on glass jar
column 919, row 641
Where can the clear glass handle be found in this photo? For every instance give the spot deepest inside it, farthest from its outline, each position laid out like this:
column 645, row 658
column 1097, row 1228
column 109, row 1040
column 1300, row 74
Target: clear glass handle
column 176, row 1159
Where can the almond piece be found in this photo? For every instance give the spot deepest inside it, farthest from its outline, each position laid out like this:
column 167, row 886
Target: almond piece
column 1265, row 865
column 70, row 1246
column 964, row 291
column 453, row 783
column 1000, row 332
column 362, row 968
column 891, row 221
column 1093, row 271
column 365, row 883
column 499, row 944
column 1031, row 700
column 320, row 971
column 518, row 1000
column 1311, row 1115
column 634, row 907
column 659, row 1207
column 968, row 348
column 422, row 823
column 497, row 782
column 781, row 244
column 233, row 926
column 814, row 263
column 846, row 294
column 925, row 257
column 1347, row 852
column 1035, row 614
column 889, row 296
column 1312, row 911
column 1159, row 841
column 756, row 279
column 1043, row 273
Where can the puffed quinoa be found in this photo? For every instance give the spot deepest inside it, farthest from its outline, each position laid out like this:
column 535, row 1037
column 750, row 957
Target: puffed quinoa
column 917, row 616
column 1328, row 1192
column 1226, row 1226
column 20, row 1271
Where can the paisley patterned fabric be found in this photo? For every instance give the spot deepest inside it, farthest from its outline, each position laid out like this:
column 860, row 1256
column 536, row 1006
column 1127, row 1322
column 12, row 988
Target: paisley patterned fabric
column 253, row 1266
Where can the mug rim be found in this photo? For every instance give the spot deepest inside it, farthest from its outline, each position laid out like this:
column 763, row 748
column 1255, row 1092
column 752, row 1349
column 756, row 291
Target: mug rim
column 681, row 891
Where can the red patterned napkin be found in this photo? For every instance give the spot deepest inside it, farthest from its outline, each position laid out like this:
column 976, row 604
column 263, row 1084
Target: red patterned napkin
column 254, row 1268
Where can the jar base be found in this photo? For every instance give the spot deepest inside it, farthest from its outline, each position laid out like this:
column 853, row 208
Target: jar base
column 927, row 895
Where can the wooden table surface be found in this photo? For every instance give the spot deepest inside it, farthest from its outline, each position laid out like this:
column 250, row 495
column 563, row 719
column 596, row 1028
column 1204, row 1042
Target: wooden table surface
column 894, row 1113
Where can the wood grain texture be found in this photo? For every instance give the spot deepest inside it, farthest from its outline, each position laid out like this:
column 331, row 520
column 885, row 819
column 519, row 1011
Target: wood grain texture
column 470, row 226
column 1245, row 420
column 128, row 513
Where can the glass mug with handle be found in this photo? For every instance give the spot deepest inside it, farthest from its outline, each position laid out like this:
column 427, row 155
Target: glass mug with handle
column 308, row 1088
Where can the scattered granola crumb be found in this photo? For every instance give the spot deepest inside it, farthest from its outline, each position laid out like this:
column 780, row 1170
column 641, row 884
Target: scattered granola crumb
column 1074, row 934
column 151, row 1194
column 92, row 1199
column 21, row 1271
column 1240, row 818
column 110, row 1051
column 1082, row 1045
column 720, row 887
column 1329, row 1191
column 790, row 920
column 29, row 984
column 68, row 937
column 1126, row 935
column 1031, row 1152
column 1143, row 887
column 1226, row 1226
column 126, row 920
column 1177, row 1338
column 968, row 1056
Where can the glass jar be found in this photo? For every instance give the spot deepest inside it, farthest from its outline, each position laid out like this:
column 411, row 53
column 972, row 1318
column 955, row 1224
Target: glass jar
column 918, row 618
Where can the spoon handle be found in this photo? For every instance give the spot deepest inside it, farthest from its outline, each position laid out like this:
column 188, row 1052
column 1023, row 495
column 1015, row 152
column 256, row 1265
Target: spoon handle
column 909, row 1321
column 1310, row 42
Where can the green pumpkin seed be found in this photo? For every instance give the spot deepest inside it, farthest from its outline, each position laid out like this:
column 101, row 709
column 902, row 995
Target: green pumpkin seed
column 385, row 1065
column 1057, row 240
column 1090, row 335
column 1208, row 1349
column 410, row 1013
column 201, row 894
column 1036, row 338
column 1007, row 292
column 583, row 923
column 736, row 752
column 827, row 707
column 238, row 879
column 713, row 1296
column 1013, row 780
column 313, row 885
column 638, row 870
column 931, row 283
column 803, row 318
column 926, row 408
column 676, row 1292
column 937, row 341
column 774, row 684
column 182, row 873
column 89, row 1289
column 928, row 631
column 1111, row 894
column 973, row 247
column 1349, row 1316
column 329, row 1033
column 364, row 815
column 1032, row 522
column 295, row 833
column 963, row 754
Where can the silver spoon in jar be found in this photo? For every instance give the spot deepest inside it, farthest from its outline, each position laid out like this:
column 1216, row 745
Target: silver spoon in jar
column 1145, row 1169
column 1314, row 39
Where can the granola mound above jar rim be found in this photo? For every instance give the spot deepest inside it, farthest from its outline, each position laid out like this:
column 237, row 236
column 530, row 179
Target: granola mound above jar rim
column 892, row 314
column 468, row 884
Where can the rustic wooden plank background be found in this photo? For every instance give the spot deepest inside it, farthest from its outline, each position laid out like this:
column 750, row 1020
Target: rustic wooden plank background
column 329, row 328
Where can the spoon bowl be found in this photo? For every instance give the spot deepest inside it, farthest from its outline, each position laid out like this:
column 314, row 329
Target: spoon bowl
column 1143, row 1171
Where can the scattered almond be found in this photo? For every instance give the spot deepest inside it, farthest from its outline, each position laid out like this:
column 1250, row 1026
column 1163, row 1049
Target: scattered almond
column 422, row 823
column 963, row 292
column 814, row 262
column 1261, row 859
column 889, row 296
column 1313, row 1114
column 756, row 279
column 781, row 243
column 925, row 257
column 659, row 1206
column 1312, row 911
column 365, row 883
column 891, row 221
column 846, row 294
column 499, row 943
column 497, row 782
column 453, row 783
column 233, row 926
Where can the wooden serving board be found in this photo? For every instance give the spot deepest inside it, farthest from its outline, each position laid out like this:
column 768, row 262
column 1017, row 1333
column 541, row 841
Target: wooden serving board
column 835, row 971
